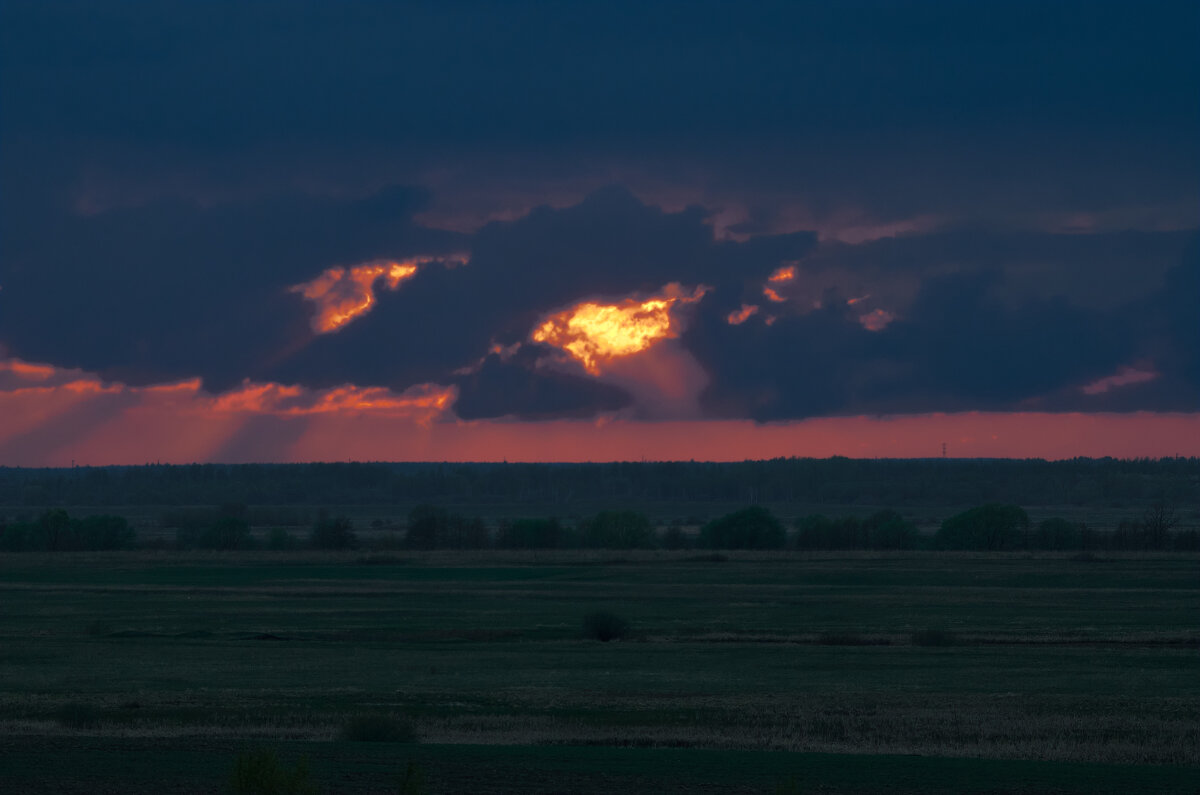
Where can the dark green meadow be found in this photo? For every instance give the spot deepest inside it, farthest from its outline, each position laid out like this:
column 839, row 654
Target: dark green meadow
column 742, row 671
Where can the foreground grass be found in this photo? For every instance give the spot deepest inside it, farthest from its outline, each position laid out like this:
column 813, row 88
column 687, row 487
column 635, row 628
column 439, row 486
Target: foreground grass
column 173, row 766
column 777, row 665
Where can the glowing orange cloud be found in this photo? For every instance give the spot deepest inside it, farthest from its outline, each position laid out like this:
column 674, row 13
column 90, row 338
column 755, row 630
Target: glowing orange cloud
column 25, row 370
column 284, row 400
column 784, row 274
column 742, row 315
column 876, row 320
column 342, row 294
column 53, row 416
column 781, row 275
column 594, row 333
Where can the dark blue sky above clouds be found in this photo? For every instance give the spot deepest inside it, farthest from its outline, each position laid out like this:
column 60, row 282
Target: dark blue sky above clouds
column 1013, row 188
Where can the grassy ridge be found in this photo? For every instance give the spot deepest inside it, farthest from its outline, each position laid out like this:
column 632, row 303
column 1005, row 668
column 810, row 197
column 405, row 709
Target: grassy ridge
column 781, row 658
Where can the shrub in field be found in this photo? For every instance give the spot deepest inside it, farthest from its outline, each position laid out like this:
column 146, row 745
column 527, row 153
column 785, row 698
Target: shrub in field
column 228, row 532
column 788, row 786
column 604, row 626
column 887, row 529
column 431, row 527
column 933, row 637
column 260, row 773
column 376, row 728
column 750, row 528
column 329, row 533
column 413, row 780
column 426, row 525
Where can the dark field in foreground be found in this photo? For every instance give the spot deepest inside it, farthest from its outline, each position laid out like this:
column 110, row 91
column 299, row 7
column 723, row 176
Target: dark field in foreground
column 140, row 672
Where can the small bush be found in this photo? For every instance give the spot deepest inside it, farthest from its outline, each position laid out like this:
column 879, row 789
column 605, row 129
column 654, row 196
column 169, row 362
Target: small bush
column 260, row 773
column 413, row 780
column 933, row 637
column 228, row 532
column 604, row 626
column 374, row 728
column 336, row 533
column 788, row 786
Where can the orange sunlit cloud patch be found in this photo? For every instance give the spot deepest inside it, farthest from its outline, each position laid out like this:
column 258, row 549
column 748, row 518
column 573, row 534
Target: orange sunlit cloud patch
column 784, row 274
column 742, row 315
column 779, row 277
column 27, row 371
column 424, row 401
column 771, row 295
column 343, row 294
column 594, row 333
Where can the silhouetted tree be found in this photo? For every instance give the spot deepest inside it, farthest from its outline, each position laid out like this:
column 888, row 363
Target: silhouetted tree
column 750, row 528
column 1157, row 523
column 330, row 533
column 426, row 526
column 228, row 532
column 992, row 526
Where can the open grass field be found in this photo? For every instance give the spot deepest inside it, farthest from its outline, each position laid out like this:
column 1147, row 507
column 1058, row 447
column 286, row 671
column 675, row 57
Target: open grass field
column 755, row 672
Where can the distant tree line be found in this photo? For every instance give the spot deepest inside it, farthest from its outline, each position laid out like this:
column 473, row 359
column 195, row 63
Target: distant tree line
column 56, row 531
column 1007, row 527
column 991, row 527
column 835, row 481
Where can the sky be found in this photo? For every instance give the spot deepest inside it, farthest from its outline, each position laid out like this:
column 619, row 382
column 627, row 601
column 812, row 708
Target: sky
column 296, row 231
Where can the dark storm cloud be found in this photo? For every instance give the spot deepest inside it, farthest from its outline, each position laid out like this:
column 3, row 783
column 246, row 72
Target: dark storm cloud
column 897, row 108
column 519, row 388
column 1177, row 308
column 171, row 290
column 609, row 246
column 1100, row 270
column 170, row 169
column 235, row 71
column 962, row 345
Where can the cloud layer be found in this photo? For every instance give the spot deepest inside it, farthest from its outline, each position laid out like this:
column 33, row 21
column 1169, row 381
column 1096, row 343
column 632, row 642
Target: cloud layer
column 879, row 209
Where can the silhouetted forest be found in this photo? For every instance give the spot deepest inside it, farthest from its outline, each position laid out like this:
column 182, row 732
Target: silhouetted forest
column 992, row 527
column 894, row 483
